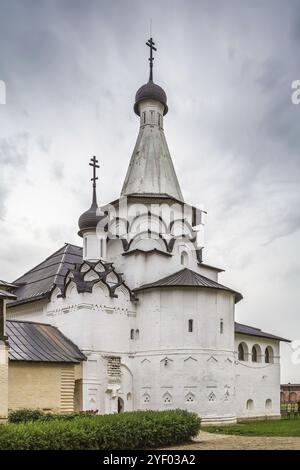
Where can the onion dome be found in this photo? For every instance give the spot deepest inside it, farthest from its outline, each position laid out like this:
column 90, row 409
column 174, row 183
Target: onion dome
column 90, row 218
column 150, row 91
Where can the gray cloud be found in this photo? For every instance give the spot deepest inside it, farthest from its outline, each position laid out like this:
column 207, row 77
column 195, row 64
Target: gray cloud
column 72, row 69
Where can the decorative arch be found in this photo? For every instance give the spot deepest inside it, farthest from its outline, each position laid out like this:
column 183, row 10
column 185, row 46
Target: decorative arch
column 147, row 221
column 242, row 351
column 268, row 405
column 167, row 398
column 250, row 404
column 190, row 398
column 184, row 259
column 156, row 238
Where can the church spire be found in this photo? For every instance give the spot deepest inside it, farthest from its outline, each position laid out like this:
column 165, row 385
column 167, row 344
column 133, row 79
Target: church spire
column 151, row 169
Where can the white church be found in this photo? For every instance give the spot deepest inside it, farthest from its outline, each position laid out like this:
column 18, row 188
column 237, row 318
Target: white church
column 150, row 324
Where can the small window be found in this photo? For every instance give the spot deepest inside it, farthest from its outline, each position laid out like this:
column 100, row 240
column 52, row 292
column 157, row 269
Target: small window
column 159, row 119
column 101, row 247
column 184, row 258
column 190, row 325
column 85, row 247
column 132, row 334
column 137, row 334
column 221, row 326
column 144, row 117
column 152, row 118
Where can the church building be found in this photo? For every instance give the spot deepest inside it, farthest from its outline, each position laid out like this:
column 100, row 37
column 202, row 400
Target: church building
column 133, row 318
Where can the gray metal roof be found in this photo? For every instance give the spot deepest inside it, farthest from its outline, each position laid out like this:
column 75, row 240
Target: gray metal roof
column 7, row 285
column 151, row 170
column 4, row 294
column 188, row 278
column 39, row 342
column 251, row 331
column 39, row 282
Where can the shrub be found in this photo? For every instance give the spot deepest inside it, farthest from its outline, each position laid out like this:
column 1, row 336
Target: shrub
column 24, row 415
column 139, row 429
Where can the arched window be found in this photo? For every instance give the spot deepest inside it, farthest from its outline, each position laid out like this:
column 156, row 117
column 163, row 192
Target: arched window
column 250, row 404
column 221, row 326
column 269, row 355
column 241, row 352
column 254, row 354
column 190, row 326
column 137, row 334
column 132, row 334
column 184, row 258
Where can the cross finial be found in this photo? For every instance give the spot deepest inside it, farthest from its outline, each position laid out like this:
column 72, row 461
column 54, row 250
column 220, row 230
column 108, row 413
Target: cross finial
column 94, row 165
column 150, row 43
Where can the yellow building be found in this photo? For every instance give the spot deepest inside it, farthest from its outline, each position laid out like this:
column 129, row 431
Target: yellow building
column 39, row 367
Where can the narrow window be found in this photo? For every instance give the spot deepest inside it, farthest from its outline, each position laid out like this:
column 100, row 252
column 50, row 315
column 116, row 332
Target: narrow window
column 190, row 326
column 101, row 248
column 152, row 119
column 254, row 354
column 184, row 258
column 132, row 334
column 85, row 247
column 159, row 119
column 241, row 352
column 137, row 334
column 221, row 326
column 144, row 117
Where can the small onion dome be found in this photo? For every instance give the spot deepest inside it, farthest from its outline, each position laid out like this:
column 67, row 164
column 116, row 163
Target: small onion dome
column 90, row 219
column 150, row 91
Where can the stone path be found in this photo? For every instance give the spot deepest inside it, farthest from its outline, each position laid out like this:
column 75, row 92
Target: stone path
column 209, row 441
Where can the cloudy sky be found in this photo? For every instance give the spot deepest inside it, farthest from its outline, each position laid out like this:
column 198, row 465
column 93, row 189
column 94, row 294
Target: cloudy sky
column 71, row 69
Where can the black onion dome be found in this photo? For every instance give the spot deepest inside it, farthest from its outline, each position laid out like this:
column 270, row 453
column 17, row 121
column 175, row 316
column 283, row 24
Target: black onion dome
column 150, row 91
column 90, row 219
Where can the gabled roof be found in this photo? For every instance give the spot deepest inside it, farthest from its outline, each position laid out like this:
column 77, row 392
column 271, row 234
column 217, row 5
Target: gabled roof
column 39, row 342
column 188, row 278
column 251, row 331
column 39, row 282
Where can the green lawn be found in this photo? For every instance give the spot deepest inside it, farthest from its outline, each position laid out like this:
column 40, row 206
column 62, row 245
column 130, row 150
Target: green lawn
column 278, row 427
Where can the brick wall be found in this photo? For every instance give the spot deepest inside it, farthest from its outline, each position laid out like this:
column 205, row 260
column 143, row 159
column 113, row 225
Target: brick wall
column 49, row 387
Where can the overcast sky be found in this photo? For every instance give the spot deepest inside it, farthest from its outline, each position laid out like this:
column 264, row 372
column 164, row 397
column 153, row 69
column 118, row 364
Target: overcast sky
column 71, row 70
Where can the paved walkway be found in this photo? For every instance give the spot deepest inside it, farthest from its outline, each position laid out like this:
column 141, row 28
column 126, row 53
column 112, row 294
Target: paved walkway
column 209, row 441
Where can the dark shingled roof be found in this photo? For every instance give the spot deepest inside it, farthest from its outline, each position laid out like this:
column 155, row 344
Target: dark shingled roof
column 39, row 342
column 188, row 278
column 250, row 331
column 39, row 282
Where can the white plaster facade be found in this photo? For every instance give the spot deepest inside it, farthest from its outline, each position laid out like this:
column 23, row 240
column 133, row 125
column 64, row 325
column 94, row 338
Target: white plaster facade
column 141, row 353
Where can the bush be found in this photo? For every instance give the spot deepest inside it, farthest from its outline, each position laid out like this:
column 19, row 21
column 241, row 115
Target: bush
column 134, row 430
column 24, row 415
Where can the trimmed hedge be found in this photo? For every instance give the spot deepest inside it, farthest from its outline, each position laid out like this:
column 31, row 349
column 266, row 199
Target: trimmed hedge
column 25, row 414
column 134, row 430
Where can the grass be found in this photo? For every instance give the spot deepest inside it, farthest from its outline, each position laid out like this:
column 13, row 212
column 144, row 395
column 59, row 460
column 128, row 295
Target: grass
column 278, row 427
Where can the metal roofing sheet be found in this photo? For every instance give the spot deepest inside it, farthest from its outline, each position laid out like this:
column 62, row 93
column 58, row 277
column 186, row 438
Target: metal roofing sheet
column 39, row 342
column 251, row 331
column 188, row 278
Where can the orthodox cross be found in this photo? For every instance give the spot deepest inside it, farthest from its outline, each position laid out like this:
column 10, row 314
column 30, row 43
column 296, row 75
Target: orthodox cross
column 150, row 43
column 94, row 165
